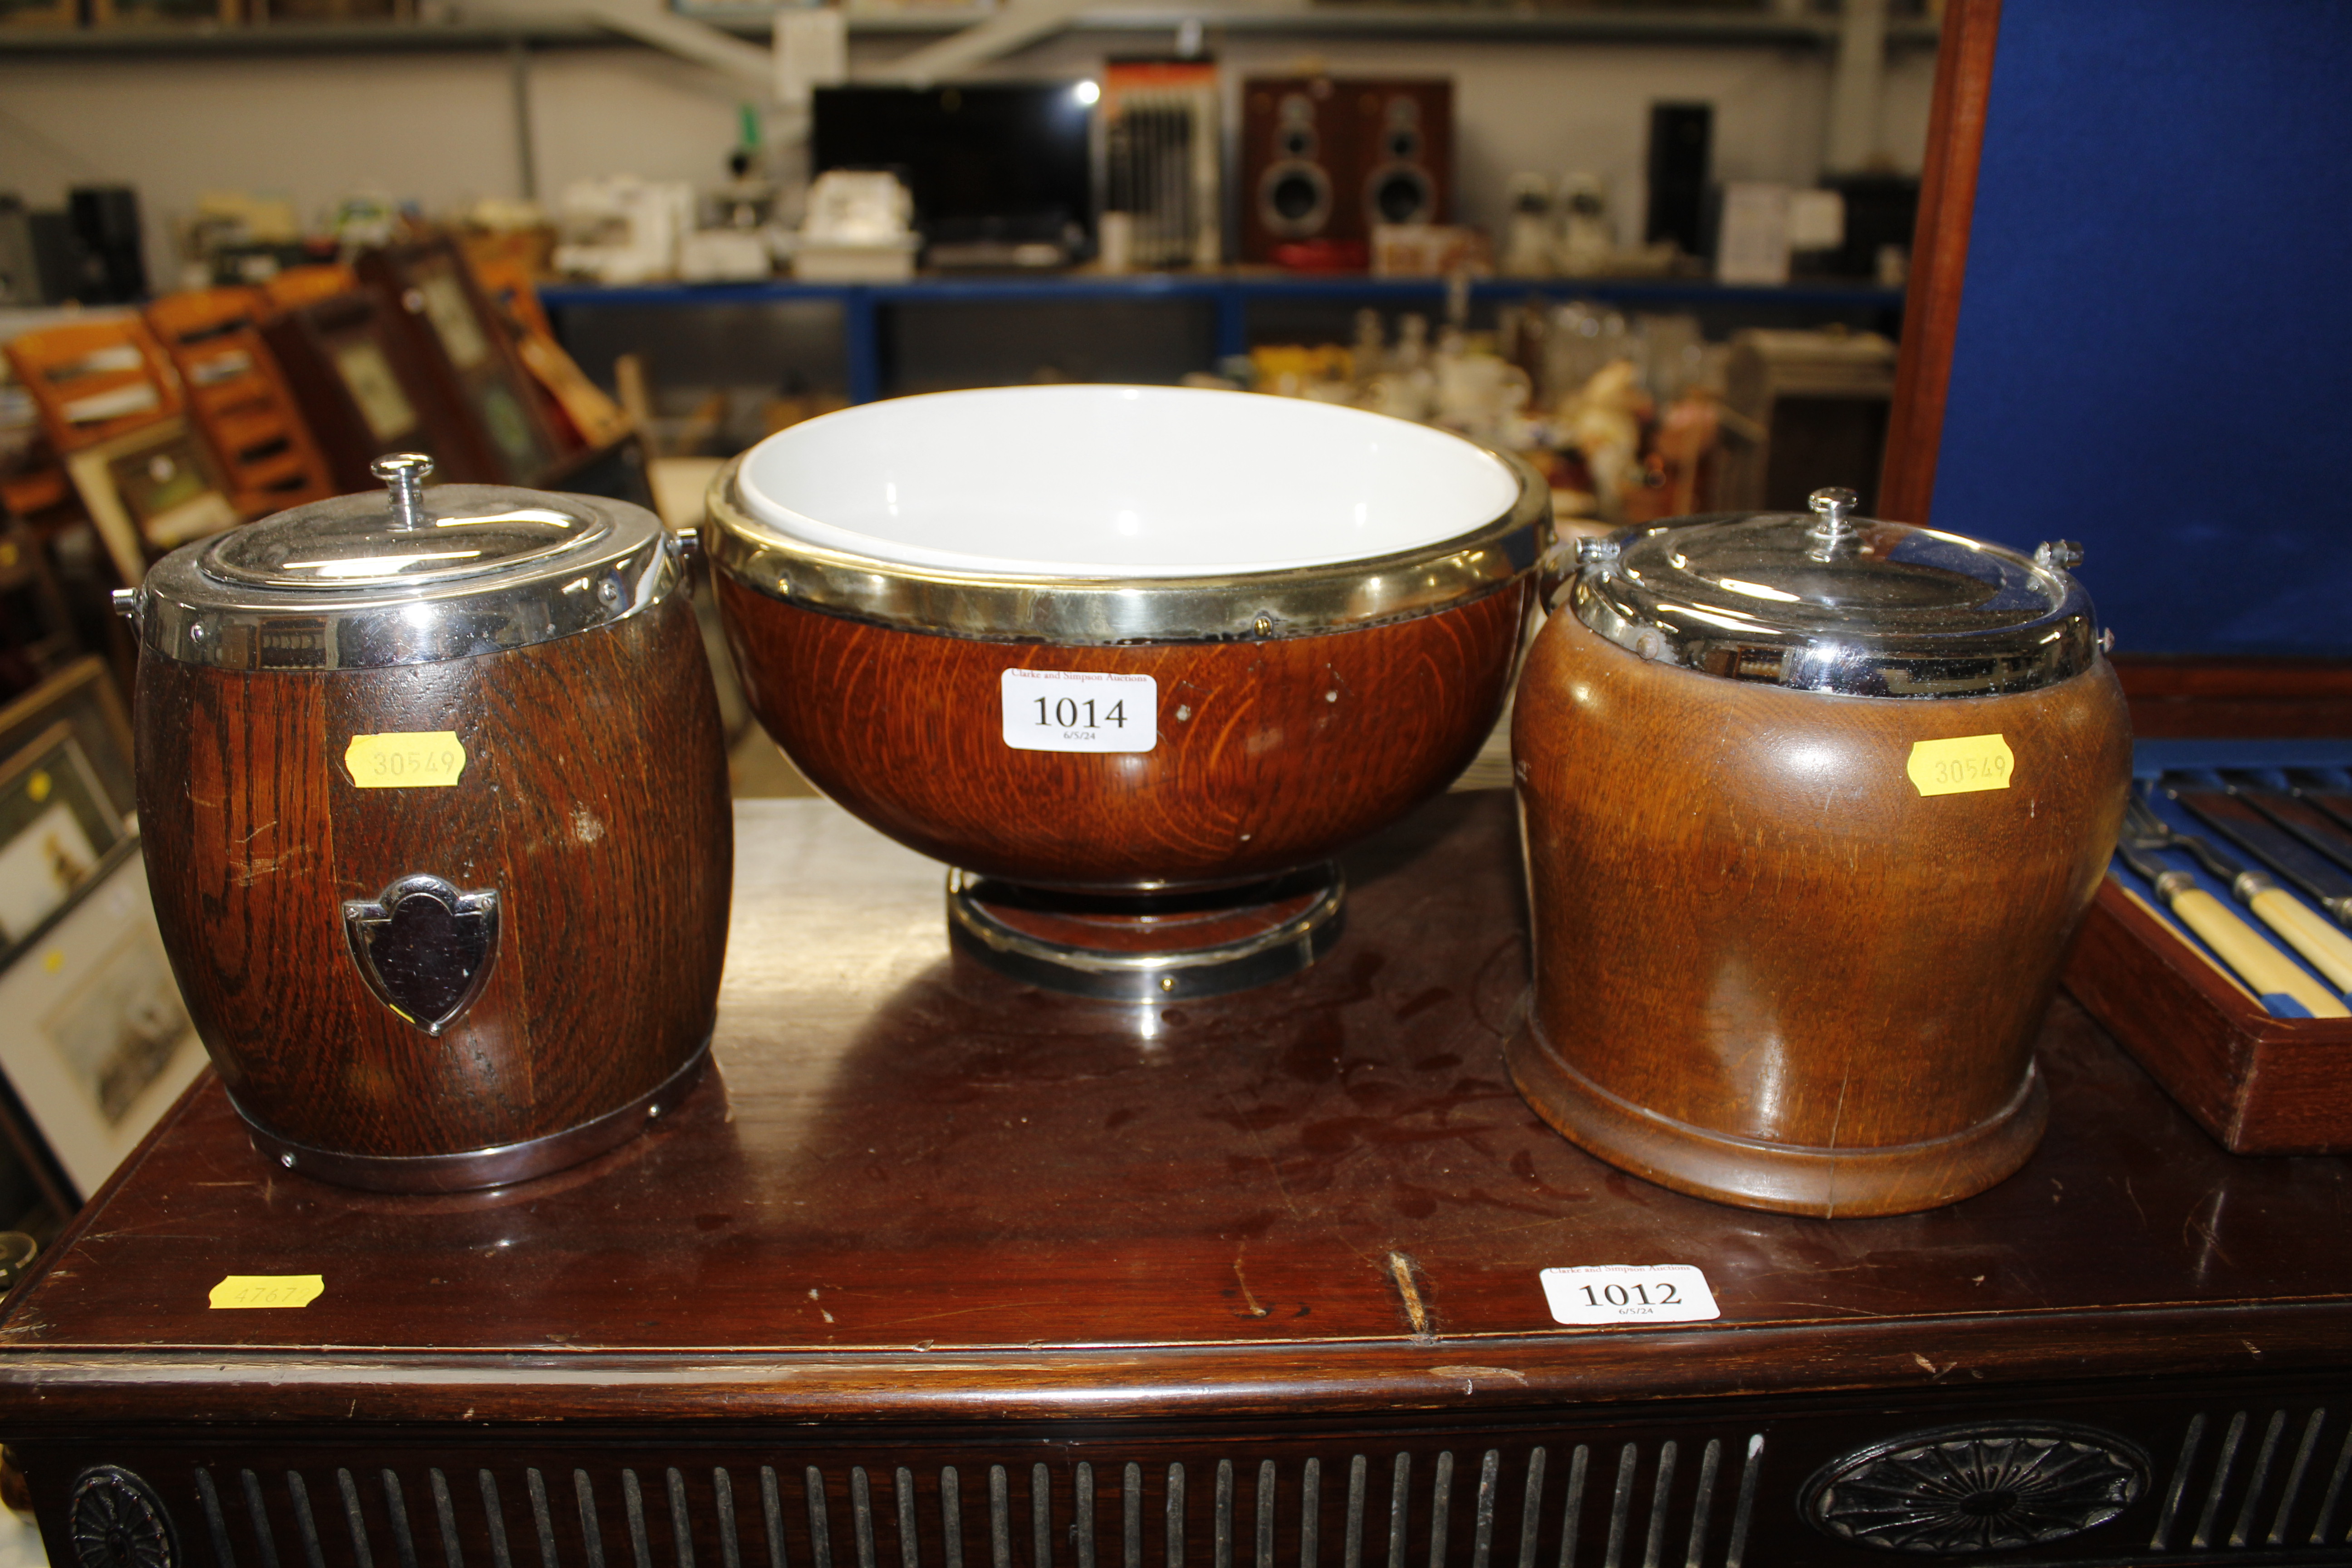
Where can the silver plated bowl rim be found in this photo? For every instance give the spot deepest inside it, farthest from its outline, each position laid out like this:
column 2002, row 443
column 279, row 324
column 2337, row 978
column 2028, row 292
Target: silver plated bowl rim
column 1098, row 611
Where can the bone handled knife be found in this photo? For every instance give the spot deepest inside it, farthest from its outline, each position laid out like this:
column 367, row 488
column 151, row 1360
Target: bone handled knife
column 2264, row 969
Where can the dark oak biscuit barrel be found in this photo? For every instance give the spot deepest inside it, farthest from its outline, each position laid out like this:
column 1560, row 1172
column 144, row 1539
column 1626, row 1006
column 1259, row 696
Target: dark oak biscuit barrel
column 437, row 820
column 1792, row 941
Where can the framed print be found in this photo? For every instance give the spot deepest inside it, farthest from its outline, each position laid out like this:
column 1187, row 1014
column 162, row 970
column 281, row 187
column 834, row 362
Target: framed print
column 139, row 13
column 153, row 489
column 56, row 826
column 99, row 1042
column 38, row 13
column 374, row 390
column 359, row 375
column 333, row 11
column 458, row 340
column 596, row 421
column 451, row 312
column 82, row 697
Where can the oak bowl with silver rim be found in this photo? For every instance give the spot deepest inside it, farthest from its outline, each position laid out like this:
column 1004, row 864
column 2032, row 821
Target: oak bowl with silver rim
column 1136, row 661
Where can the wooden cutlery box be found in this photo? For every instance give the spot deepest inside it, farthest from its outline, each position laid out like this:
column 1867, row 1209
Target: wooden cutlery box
column 2261, row 1085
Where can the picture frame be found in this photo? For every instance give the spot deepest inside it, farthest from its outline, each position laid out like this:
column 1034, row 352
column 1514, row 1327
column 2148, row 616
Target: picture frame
column 83, row 696
column 39, row 13
column 153, row 489
column 57, row 827
column 356, row 375
column 298, row 12
column 162, row 13
column 101, row 1043
column 456, row 338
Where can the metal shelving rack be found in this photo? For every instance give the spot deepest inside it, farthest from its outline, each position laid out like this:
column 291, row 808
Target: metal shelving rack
column 1230, row 297
column 1339, row 18
column 1230, row 294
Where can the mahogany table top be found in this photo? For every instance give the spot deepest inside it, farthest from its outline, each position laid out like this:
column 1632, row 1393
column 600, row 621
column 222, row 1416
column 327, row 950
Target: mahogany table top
column 915, row 1189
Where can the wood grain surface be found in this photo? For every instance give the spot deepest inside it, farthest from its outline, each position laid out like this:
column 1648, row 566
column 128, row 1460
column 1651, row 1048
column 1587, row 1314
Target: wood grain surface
column 2259, row 1084
column 2240, row 698
column 929, row 1218
column 1767, row 968
column 1017, row 1205
column 594, row 800
column 1939, row 258
column 1270, row 755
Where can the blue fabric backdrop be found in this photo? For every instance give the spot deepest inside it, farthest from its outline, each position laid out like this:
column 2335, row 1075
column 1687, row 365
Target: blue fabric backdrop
column 2155, row 341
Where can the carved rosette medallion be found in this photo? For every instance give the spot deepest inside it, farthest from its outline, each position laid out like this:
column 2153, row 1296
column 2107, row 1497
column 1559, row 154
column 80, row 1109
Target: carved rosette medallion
column 116, row 1521
column 1977, row 1489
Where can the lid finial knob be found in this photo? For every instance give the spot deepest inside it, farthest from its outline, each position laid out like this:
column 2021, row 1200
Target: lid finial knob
column 1829, row 506
column 405, row 473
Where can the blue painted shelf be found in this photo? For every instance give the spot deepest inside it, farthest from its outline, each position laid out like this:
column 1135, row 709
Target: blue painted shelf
column 1230, row 295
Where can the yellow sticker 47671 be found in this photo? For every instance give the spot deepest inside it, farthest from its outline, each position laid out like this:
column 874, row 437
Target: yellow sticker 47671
column 1961, row 763
column 423, row 759
column 269, row 1289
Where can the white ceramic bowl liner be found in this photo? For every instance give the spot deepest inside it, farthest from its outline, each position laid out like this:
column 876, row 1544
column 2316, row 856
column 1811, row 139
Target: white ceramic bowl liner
column 1119, row 481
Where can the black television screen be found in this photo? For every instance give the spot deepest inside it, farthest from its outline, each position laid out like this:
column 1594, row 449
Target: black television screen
column 988, row 162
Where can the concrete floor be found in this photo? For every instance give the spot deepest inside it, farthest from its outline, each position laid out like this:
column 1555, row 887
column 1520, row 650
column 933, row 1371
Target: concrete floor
column 759, row 770
column 756, row 770
column 20, row 1542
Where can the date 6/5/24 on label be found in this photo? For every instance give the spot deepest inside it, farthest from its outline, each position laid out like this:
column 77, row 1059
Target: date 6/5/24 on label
column 1078, row 711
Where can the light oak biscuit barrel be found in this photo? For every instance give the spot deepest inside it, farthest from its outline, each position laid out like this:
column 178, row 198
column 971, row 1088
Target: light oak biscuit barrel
column 1810, row 811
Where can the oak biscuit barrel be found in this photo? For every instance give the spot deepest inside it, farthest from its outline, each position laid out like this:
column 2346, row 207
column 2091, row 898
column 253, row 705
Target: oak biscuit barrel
column 435, row 798
column 1812, row 807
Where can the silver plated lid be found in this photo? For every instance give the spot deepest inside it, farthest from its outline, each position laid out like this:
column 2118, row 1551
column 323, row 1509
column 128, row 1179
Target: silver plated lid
column 407, row 576
column 1839, row 603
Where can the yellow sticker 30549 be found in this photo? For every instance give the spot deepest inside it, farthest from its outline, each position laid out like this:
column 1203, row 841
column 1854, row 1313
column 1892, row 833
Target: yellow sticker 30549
column 1961, row 763
column 420, row 760
column 269, row 1289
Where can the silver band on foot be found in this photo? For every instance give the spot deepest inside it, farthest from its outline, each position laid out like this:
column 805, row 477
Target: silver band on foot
column 1113, row 975
column 474, row 1168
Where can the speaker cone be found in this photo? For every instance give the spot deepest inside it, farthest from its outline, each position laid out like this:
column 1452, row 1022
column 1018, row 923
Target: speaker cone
column 1294, row 199
column 1401, row 193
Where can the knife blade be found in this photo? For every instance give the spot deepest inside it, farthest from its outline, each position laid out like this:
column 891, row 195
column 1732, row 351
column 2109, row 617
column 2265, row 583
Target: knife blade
column 2262, row 968
column 2328, row 792
column 2283, row 852
column 2300, row 817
